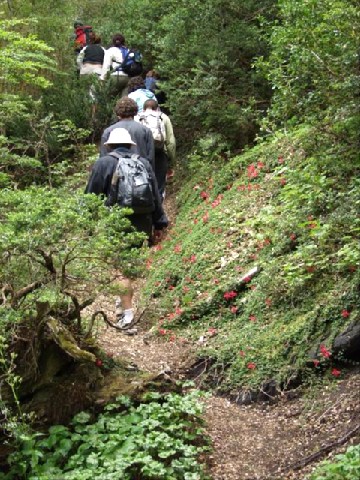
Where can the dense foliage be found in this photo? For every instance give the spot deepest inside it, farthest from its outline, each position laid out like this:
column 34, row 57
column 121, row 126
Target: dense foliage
column 288, row 206
column 280, row 75
column 345, row 466
column 161, row 438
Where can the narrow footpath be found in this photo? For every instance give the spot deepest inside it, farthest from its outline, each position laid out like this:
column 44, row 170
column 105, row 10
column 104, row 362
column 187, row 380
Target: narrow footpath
column 263, row 441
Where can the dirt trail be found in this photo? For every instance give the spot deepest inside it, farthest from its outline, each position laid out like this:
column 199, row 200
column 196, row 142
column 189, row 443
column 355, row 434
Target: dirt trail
column 255, row 441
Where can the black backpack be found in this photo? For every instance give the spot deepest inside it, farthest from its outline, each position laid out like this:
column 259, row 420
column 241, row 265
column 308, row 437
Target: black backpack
column 132, row 63
column 131, row 184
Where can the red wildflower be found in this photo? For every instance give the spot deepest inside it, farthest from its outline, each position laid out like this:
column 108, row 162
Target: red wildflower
column 345, row 313
column 316, row 363
column 324, row 351
column 196, row 221
column 251, row 366
column 212, row 331
column 172, row 338
column 251, row 171
column 249, row 187
column 186, row 289
column 192, row 259
column 171, row 287
column 98, row 362
column 260, row 165
column 234, row 309
column 335, row 372
column 171, row 316
column 158, row 247
column 247, row 279
column 230, row 295
column 204, row 195
column 252, row 318
column 162, row 331
column 293, row 237
column 178, row 311
column 280, row 159
column 205, row 217
column 177, row 248
column 241, row 187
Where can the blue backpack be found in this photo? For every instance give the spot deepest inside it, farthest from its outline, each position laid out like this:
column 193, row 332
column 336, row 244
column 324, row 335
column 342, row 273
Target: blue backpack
column 132, row 63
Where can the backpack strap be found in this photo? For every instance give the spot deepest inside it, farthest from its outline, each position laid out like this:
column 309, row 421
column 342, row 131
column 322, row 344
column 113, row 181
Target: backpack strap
column 119, row 156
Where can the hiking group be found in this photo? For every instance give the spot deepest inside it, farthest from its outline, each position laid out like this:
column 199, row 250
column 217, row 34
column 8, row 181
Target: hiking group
column 137, row 152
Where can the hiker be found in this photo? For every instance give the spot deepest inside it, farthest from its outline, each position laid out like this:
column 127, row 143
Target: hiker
column 114, row 56
column 81, row 35
column 138, row 92
column 153, row 83
column 108, row 179
column 125, row 110
column 91, row 57
column 164, row 140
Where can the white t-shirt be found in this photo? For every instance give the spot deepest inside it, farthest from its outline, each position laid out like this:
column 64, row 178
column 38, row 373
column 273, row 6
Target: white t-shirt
column 113, row 58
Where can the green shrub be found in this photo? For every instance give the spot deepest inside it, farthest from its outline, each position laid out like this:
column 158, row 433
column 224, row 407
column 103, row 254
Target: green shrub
column 162, row 438
column 344, row 467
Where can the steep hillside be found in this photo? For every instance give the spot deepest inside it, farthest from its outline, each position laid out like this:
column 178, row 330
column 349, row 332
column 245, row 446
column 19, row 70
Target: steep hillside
column 287, row 207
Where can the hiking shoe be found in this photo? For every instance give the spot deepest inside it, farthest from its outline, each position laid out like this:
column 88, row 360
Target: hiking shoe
column 124, row 324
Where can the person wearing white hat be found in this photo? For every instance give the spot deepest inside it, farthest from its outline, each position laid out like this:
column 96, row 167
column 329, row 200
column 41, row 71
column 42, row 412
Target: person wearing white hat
column 120, row 143
column 125, row 110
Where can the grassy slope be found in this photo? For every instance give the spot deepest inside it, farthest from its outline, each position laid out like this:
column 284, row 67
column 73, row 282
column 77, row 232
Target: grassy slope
column 288, row 206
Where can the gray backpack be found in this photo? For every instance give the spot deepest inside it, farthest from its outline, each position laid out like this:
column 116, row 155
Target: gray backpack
column 131, row 184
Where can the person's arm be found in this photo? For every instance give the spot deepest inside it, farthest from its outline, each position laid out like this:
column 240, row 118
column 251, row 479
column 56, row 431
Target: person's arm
column 104, row 138
column 170, row 142
column 150, row 148
column 80, row 57
column 107, row 63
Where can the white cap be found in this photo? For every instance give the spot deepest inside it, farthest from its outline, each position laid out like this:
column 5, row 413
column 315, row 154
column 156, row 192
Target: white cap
column 118, row 136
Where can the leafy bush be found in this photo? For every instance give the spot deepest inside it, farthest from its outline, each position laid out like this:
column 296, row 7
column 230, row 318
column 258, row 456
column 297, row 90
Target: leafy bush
column 158, row 439
column 344, row 467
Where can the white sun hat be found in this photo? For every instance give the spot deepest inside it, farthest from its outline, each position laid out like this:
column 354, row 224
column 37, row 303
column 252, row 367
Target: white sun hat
column 118, row 136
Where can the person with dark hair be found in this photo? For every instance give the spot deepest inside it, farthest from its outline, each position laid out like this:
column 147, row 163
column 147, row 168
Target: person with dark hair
column 165, row 150
column 91, row 57
column 125, row 110
column 138, row 92
column 105, row 180
column 114, row 57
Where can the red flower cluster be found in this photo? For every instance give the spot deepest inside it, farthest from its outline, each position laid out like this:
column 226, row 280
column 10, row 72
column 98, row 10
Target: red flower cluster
column 98, row 362
column 177, row 248
column 345, row 313
column 212, row 331
column 251, row 171
column 204, row 195
column 251, row 366
column 205, row 217
column 234, row 309
column 335, row 372
column 252, row 318
column 324, row 351
column 230, row 295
